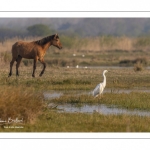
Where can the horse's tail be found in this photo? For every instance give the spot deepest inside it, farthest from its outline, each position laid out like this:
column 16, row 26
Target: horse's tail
column 14, row 50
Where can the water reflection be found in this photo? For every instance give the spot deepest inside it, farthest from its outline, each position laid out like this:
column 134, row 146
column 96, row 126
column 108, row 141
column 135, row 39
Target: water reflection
column 55, row 94
column 126, row 90
column 52, row 94
column 101, row 108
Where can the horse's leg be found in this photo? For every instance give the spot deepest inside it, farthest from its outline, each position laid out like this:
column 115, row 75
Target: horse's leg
column 34, row 67
column 44, row 66
column 17, row 65
column 11, row 65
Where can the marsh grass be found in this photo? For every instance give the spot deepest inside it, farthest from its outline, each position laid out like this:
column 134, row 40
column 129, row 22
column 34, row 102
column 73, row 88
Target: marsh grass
column 74, row 99
column 131, row 100
column 5, row 57
column 98, row 51
column 23, row 96
column 76, row 79
column 138, row 66
column 20, row 102
column 51, row 121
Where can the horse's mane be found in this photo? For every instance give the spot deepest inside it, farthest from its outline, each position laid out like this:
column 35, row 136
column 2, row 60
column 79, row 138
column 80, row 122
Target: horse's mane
column 44, row 40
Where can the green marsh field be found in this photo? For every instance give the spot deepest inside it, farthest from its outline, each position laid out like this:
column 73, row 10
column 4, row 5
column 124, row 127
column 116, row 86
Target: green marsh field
column 25, row 108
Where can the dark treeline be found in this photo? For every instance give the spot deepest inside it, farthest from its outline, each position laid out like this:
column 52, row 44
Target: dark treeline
column 35, row 30
column 10, row 33
column 83, row 27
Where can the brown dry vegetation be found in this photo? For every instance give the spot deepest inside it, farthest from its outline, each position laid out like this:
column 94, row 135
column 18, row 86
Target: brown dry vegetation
column 90, row 43
column 20, row 102
column 23, row 96
column 97, row 51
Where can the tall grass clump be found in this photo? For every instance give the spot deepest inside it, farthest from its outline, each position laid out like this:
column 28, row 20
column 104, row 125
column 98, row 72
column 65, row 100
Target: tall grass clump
column 138, row 63
column 5, row 56
column 116, row 43
column 142, row 43
column 138, row 67
column 21, row 103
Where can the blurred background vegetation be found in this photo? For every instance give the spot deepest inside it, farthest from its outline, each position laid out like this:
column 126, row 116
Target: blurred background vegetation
column 83, row 27
column 86, row 41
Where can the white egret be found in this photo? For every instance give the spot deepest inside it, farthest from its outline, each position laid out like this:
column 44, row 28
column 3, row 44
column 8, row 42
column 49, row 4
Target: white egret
column 100, row 87
column 77, row 66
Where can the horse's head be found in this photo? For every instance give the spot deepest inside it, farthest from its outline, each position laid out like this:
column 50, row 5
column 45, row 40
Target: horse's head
column 56, row 41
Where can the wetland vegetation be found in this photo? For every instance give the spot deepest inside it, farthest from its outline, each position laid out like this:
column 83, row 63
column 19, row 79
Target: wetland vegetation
column 23, row 97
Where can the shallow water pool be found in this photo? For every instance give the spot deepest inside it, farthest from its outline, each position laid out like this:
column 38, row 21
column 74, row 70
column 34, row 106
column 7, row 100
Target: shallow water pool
column 95, row 108
column 100, row 108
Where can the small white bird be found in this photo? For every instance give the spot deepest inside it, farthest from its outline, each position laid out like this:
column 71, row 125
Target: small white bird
column 100, row 87
column 77, row 66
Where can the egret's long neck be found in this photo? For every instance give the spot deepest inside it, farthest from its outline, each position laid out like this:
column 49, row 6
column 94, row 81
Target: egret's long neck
column 104, row 81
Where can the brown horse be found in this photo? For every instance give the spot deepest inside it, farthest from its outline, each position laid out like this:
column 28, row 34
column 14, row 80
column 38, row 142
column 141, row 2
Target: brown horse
column 33, row 50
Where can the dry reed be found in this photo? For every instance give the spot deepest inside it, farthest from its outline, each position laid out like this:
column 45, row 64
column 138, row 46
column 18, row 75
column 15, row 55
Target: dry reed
column 20, row 102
